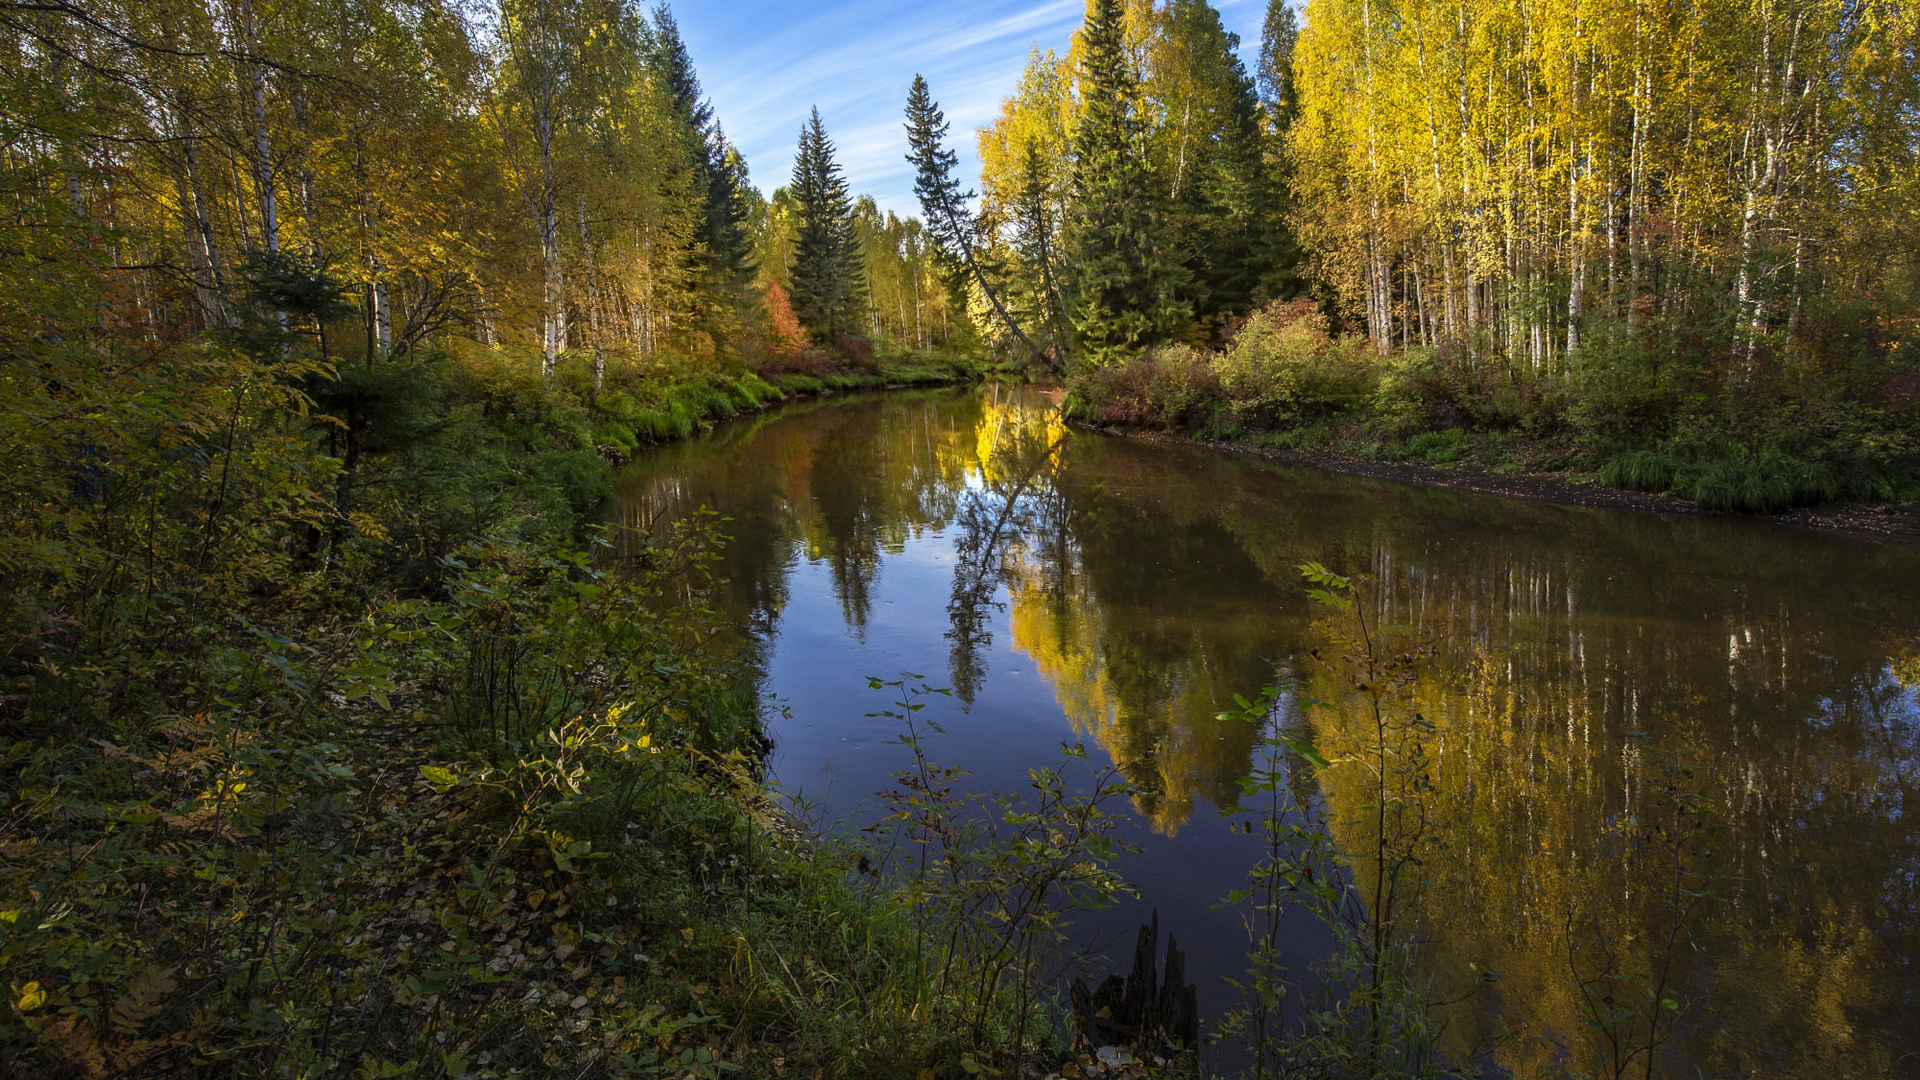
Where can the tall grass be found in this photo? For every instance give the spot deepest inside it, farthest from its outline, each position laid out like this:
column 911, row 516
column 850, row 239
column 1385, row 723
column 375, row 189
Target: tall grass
column 1742, row 481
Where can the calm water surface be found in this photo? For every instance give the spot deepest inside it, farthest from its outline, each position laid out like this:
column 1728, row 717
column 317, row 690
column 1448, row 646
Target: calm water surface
column 1074, row 586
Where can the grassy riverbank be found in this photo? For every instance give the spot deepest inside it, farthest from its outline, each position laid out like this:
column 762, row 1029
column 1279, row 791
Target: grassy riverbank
column 328, row 745
column 1764, row 433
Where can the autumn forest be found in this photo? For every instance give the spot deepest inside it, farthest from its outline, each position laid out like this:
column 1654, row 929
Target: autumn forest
column 358, row 718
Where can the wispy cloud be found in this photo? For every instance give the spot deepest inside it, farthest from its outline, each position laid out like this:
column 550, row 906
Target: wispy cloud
column 764, row 64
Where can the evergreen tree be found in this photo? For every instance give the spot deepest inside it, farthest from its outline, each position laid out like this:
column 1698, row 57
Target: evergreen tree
column 1278, row 33
column 1279, row 104
column 722, row 259
column 667, row 56
column 1209, row 150
column 730, row 262
column 949, row 221
column 826, row 275
column 1039, row 233
column 1126, row 281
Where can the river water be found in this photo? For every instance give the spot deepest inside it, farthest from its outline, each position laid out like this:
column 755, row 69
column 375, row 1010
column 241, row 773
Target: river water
column 1589, row 670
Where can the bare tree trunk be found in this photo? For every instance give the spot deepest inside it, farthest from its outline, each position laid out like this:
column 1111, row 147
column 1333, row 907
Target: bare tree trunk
column 919, row 330
column 1576, row 251
column 262, row 143
column 537, row 49
column 553, row 329
column 379, row 313
column 209, row 279
column 484, row 311
column 1636, row 194
column 593, row 301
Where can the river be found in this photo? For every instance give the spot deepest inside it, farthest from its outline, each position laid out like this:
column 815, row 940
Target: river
column 1588, row 667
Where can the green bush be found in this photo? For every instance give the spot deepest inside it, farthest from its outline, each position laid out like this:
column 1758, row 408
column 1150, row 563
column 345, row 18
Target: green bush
column 1283, row 365
column 1641, row 470
column 1439, row 447
column 1169, row 389
column 1261, row 369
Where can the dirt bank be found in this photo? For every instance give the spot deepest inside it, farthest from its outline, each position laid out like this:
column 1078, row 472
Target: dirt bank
column 1900, row 524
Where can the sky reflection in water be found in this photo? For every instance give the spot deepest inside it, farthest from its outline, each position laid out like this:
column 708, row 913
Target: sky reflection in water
column 1073, row 586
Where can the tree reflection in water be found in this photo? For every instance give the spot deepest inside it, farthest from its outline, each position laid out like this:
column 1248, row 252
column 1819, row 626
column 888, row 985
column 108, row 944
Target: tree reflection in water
column 1577, row 652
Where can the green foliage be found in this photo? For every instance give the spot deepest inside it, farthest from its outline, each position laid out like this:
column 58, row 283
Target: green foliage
column 319, row 894
column 1224, row 205
column 1746, row 482
column 1438, row 447
column 1631, row 415
column 1283, row 365
column 988, row 883
column 1126, row 281
column 326, row 747
column 1169, row 389
column 509, row 823
column 1365, row 1012
column 826, row 279
column 723, row 260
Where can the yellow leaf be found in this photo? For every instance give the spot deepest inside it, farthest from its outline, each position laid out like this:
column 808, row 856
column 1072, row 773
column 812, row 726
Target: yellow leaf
column 31, row 997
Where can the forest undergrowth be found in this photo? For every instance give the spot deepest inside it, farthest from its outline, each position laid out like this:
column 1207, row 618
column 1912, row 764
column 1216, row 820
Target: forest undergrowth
column 335, row 742
column 332, row 743
column 1823, row 414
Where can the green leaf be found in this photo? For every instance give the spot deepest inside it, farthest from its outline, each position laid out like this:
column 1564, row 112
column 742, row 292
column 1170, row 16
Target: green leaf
column 1305, row 749
column 442, row 779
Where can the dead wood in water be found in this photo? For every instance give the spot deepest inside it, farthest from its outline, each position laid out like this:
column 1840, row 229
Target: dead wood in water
column 1143, row 1009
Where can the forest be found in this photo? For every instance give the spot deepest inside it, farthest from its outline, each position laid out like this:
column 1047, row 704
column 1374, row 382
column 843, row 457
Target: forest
column 1668, row 247
column 340, row 732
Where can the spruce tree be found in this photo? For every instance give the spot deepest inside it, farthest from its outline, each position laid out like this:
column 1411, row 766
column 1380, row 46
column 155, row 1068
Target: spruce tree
column 948, row 220
column 826, row 279
column 730, row 262
column 1275, row 75
column 723, row 261
column 1279, row 104
column 1223, row 205
column 1126, row 280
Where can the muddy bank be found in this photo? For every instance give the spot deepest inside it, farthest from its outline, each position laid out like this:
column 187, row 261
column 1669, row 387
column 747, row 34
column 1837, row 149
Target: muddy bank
column 1893, row 523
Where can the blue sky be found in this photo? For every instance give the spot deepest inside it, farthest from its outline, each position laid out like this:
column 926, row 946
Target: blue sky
column 765, row 63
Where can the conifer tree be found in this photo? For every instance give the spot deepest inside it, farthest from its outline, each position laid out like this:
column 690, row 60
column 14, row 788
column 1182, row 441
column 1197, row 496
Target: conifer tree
column 826, row 276
column 949, row 221
column 1279, row 104
column 1278, row 33
column 730, row 263
column 1039, row 230
column 1208, row 150
column 1126, row 280
column 723, row 257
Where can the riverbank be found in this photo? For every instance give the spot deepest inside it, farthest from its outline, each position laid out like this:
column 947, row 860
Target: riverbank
column 328, row 746
column 1631, row 422
column 1895, row 523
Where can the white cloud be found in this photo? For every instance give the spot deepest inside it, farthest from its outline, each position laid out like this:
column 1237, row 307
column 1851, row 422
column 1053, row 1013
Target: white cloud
column 764, row 64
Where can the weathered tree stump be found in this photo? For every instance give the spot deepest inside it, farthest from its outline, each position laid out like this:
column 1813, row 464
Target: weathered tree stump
column 1142, row 1010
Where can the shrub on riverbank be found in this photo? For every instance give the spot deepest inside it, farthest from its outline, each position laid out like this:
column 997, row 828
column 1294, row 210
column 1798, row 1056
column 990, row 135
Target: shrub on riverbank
column 324, row 746
column 1821, row 413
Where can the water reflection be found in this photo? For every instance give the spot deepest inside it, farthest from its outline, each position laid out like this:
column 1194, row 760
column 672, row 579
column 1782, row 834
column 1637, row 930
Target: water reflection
column 1071, row 582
